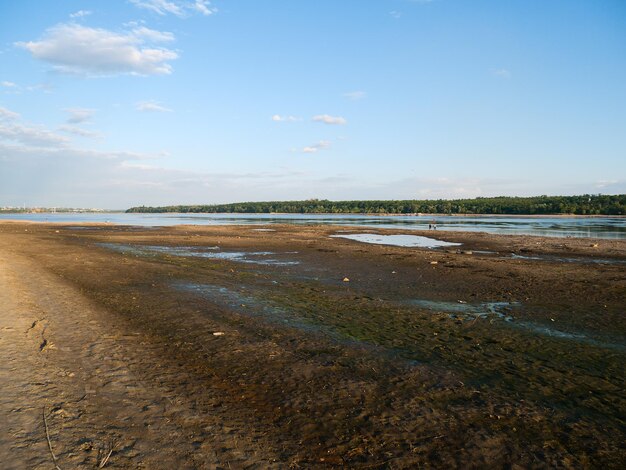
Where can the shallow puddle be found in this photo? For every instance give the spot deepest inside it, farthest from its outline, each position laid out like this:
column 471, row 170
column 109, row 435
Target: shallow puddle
column 124, row 249
column 116, row 228
column 243, row 302
column 211, row 252
column 504, row 311
column 557, row 259
column 467, row 311
column 411, row 241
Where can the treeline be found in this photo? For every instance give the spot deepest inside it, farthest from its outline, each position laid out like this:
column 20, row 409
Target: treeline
column 541, row 205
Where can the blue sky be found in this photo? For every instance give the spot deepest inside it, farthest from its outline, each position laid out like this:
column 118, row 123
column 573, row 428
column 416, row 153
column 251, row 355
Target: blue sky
column 126, row 102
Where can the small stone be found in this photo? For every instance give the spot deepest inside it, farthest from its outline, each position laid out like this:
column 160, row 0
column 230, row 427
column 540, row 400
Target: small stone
column 218, row 333
column 345, row 279
column 434, row 262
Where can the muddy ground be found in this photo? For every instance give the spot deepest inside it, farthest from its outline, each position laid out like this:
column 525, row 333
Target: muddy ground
column 231, row 347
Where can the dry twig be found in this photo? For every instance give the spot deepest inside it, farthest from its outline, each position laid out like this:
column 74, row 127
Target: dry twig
column 45, row 423
column 105, row 460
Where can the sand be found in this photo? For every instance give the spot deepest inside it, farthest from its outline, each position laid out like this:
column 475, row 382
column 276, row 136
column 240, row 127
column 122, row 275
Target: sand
column 317, row 353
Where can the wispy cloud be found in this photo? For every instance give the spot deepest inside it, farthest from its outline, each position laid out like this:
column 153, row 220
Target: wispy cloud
column 43, row 87
column 178, row 8
column 7, row 114
column 204, row 7
column 327, row 119
column 355, row 95
column 70, row 175
column 8, row 84
column 395, row 14
column 502, row 73
column 79, row 131
column 81, row 14
column 20, row 138
column 72, row 48
column 601, row 184
column 314, row 148
column 151, row 106
column 279, row 118
column 153, row 35
column 13, row 130
column 79, row 115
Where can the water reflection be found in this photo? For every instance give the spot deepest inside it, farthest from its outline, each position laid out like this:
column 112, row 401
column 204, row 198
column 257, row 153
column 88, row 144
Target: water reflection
column 412, row 241
column 210, row 252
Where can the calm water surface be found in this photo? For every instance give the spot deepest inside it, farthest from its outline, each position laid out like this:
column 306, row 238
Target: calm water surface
column 397, row 240
column 597, row 227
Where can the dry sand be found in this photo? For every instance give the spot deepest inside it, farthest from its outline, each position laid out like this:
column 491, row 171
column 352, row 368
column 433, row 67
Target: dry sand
column 116, row 344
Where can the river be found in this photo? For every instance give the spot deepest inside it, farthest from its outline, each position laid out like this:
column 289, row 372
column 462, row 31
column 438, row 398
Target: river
column 593, row 227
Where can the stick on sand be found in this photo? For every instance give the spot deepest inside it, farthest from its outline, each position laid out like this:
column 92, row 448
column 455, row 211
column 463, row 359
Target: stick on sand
column 45, row 423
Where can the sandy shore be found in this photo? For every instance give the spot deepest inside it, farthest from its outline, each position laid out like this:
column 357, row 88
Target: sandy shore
column 230, row 347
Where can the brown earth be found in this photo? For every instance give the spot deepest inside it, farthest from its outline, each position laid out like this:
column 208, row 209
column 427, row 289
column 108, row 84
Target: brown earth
column 179, row 361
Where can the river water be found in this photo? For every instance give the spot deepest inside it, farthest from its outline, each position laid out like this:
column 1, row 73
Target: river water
column 595, row 227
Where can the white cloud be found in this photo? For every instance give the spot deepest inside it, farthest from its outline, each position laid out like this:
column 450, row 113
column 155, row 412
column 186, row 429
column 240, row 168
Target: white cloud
column 355, row 95
column 178, row 8
column 322, row 144
column 151, row 106
column 7, row 114
column 395, row 14
column 601, row 184
column 279, row 118
column 502, row 73
column 78, row 115
column 8, row 84
column 12, row 130
column 73, row 48
column 204, row 7
column 327, row 119
column 43, row 87
column 19, row 138
column 153, row 35
column 81, row 14
column 79, row 131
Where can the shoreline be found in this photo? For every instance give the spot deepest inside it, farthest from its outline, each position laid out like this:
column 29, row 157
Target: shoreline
column 365, row 214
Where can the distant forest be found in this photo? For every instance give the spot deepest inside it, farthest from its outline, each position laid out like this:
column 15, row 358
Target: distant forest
column 541, row 205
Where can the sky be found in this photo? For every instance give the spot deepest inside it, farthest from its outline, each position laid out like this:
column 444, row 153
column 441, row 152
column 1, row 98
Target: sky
column 112, row 104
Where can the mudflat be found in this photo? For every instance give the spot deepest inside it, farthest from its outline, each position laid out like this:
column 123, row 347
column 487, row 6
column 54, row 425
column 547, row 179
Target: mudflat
column 234, row 347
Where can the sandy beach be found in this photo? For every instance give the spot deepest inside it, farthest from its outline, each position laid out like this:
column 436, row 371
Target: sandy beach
column 234, row 347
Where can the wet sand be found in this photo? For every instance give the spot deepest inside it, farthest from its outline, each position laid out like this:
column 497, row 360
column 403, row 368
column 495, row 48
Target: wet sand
column 230, row 347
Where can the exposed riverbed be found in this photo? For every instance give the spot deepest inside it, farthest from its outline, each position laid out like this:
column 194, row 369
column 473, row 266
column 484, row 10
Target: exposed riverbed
column 200, row 346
